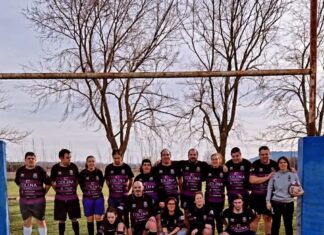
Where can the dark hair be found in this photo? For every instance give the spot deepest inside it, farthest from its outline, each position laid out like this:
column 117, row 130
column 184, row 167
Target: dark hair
column 286, row 160
column 237, row 196
column 193, row 150
column 90, row 156
column 110, row 209
column 63, row 152
column 264, row 147
column 166, row 210
column 29, row 154
column 199, row 193
column 165, row 149
column 235, row 150
column 116, row 152
column 146, row 160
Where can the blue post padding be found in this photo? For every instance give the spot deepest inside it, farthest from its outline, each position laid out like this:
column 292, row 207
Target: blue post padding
column 310, row 213
column 4, row 213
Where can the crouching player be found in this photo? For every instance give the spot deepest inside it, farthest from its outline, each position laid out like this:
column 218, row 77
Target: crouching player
column 138, row 212
column 111, row 225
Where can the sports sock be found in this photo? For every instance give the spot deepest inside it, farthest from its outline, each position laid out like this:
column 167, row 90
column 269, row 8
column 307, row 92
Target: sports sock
column 90, row 226
column 27, row 230
column 61, row 228
column 42, row 231
column 75, row 226
column 98, row 225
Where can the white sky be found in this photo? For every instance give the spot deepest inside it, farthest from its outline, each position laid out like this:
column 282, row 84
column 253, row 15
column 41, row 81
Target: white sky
column 20, row 46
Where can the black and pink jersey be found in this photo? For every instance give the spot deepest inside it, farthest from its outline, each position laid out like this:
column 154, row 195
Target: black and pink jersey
column 137, row 210
column 91, row 183
column 261, row 170
column 168, row 176
column 238, row 177
column 31, row 184
column 216, row 180
column 65, row 180
column 238, row 223
column 199, row 217
column 107, row 228
column 117, row 178
column 172, row 221
column 151, row 185
column 193, row 174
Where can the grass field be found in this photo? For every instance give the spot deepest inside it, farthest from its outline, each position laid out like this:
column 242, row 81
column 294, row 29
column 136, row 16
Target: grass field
column 16, row 220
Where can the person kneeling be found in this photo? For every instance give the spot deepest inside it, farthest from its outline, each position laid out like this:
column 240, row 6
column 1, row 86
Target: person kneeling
column 237, row 218
column 111, row 225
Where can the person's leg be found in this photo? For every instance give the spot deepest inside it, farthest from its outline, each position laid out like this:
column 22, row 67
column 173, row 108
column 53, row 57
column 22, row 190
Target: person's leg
column 218, row 209
column 38, row 211
column 288, row 217
column 60, row 215
column 42, row 228
column 267, row 224
column 255, row 223
column 90, row 225
column 88, row 207
column 27, row 229
column 276, row 218
column 74, row 212
column 99, row 210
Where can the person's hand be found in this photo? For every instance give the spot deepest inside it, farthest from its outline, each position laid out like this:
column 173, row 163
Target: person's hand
column 269, row 206
column 193, row 232
column 225, row 169
column 208, row 226
column 271, row 174
column 161, row 204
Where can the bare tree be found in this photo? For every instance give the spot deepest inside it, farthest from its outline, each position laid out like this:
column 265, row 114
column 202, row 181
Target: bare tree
column 290, row 95
column 109, row 36
column 7, row 132
column 226, row 35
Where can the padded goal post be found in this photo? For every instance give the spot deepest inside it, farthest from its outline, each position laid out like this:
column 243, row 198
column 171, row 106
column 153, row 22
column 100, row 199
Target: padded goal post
column 4, row 213
column 310, row 212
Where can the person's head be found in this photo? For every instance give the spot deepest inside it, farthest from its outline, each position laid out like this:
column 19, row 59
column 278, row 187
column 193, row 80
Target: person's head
column 199, row 199
column 146, row 166
column 117, row 157
column 283, row 164
column 65, row 157
column 111, row 215
column 172, row 204
column 90, row 163
column 237, row 202
column 138, row 188
column 264, row 154
column 236, row 155
column 193, row 155
column 166, row 156
column 216, row 159
column 30, row 160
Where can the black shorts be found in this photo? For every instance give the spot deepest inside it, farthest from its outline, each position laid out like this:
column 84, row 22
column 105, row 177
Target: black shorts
column 187, row 201
column 259, row 205
column 70, row 207
column 33, row 210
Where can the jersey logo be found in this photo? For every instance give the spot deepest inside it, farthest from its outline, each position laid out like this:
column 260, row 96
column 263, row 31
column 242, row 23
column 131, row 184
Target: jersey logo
column 71, row 172
column 111, row 172
column 160, row 171
column 151, row 178
column 221, row 175
column 211, row 212
column 244, row 219
column 187, row 168
column 87, row 178
column 172, row 172
column 205, row 217
column 59, row 173
column 145, row 204
column 231, row 168
column 209, row 174
column 97, row 178
column 241, row 168
column 35, row 175
column 123, row 171
column 232, row 220
column 260, row 169
column 133, row 205
column 22, row 175
column 198, row 169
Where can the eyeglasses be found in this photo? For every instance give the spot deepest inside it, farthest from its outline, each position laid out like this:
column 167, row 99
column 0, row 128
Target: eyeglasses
column 171, row 203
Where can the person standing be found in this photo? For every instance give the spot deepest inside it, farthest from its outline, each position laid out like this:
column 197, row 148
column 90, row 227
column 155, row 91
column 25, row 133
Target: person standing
column 33, row 184
column 64, row 176
column 216, row 180
column 119, row 179
column 279, row 199
column 91, row 181
column 237, row 218
column 238, row 176
column 262, row 171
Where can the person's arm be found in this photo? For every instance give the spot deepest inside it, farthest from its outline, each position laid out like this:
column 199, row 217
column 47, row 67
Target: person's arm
column 17, row 177
column 259, row 180
column 269, row 193
column 53, row 177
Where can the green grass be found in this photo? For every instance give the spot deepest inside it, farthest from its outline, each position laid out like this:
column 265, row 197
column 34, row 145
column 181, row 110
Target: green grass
column 52, row 226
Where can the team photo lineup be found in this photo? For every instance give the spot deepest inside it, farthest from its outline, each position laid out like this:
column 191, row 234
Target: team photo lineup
column 169, row 197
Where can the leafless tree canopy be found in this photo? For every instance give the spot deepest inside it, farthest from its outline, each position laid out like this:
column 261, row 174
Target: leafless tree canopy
column 109, row 36
column 226, row 35
column 290, row 95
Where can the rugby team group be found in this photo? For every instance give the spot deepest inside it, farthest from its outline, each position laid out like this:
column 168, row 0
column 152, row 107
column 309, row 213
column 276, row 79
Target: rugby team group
column 166, row 197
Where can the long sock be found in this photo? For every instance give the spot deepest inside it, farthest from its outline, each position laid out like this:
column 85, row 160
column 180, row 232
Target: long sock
column 27, row 230
column 42, row 231
column 98, row 225
column 61, row 228
column 75, row 226
column 90, row 226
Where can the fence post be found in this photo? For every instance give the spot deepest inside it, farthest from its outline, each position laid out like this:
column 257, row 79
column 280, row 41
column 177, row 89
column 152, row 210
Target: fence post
column 4, row 213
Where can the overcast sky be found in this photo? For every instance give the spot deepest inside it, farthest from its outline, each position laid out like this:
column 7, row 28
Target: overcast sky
column 19, row 46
